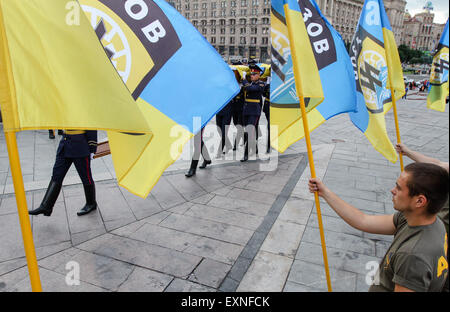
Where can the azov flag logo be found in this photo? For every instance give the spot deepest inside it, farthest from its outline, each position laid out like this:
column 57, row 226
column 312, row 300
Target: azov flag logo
column 137, row 37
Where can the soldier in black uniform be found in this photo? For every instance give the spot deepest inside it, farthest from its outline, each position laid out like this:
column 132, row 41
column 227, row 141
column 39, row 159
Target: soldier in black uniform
column 78, row 147
column 237, row 105
column 223, row 121
column 266, row 110
column 252, row 109
column 199, row 148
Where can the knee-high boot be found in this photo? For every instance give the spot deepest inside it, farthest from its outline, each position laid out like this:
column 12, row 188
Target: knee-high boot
column 91, row 204
column 48, row 201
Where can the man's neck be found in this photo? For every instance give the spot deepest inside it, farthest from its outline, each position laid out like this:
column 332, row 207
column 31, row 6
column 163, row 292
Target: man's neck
column 415, row 219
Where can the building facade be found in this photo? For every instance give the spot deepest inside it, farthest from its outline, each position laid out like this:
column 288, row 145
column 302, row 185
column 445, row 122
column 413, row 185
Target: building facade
column 420, row 32
column 344, row 15
column 238, row 29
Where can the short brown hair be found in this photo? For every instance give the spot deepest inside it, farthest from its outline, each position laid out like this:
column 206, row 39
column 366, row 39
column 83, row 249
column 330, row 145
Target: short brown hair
column 431, row 181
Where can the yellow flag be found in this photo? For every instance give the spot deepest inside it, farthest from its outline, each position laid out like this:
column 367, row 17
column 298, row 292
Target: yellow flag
column 54, row 73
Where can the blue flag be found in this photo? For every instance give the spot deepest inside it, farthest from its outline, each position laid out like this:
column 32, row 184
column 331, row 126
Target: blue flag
column 439, row 75
column 335, row 70
column 378, row 72
column 178, row 79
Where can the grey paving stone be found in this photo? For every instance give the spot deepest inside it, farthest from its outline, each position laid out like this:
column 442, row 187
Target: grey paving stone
column 313, row 275
column 145, row 255
column 204, row 199
column 337, row 258
column 211, row 229
column 186, row 187
column 11, row 265
column 11, row 243
column 143, row 280
column 235, row 218
column 239, row 268
column 114, row 208
column 208, row 180
column 97, row 270
column 8, row 204
column 53, row 282
column 215, row 250
column 296, row 211
column 210, row 273
column 342, row 241
column 180, row 285
column 229, row 285
column 51, row 230
column 254, row 196
column 166, row 195
column 87, row 226
column 240, row 205
column 334, row 224
column 294, row 287
column 141, row 208
column 161, row 236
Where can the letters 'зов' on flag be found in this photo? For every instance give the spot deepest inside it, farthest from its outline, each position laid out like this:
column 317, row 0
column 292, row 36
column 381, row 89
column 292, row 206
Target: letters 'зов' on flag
column 328, row 56
column 173, row 73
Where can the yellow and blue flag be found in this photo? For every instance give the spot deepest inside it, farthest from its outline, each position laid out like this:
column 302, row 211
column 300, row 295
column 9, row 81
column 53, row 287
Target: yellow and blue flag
column 327, row 56
column 378, row 75
column 54, row 73
column 173, row 73
column 439, row 75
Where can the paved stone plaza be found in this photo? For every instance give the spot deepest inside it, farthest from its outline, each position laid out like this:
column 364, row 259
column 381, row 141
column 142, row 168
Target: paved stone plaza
column 232, row 227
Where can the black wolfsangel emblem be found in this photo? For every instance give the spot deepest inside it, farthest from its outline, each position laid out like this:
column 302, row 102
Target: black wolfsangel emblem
column 153, row 29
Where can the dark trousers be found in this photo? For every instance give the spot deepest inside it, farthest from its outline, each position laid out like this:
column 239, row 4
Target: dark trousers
column 83, row 166
column 250, row 136
column 268, row 128
column 199, row 148
column 222, row 121
column 238, row 120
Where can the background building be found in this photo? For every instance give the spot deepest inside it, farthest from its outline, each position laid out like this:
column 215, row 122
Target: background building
column 241, row 28
column 237, row 28
column 344, row 15
column 420, row 32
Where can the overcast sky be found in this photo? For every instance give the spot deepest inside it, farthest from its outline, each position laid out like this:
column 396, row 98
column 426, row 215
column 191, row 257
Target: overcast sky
column 440, row 9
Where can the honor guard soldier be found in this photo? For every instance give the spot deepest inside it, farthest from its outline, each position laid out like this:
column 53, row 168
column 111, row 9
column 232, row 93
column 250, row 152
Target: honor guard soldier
column 223, row 121
column 237, row 105
column 78, row 147
column 199, row 149
column 252, row 108
column 266, row 110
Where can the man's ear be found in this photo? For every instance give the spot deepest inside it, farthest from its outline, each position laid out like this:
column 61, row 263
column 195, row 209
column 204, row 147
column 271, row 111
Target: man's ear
column 421, row 201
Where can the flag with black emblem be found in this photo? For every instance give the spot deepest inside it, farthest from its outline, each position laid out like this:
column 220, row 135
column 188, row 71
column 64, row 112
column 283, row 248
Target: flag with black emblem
column 173, row 73
column 439, row 75
column 378, row 75
column 332, row 61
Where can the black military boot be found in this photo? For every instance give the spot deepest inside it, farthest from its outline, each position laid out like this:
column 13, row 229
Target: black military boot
column 205, row 163
column 245, row 147
column 193, row 169
column 51, row 134
column 48, row 201
column 60, row 132
column 91, row 204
